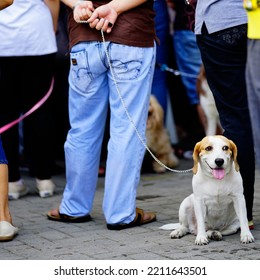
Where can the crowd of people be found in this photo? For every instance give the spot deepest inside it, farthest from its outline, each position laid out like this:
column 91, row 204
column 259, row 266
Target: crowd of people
column 105, row 55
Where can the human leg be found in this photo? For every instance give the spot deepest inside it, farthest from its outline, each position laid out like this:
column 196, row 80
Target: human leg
column 253, row 91
column 11, row 93
column 10, row 108
column 224, row 57
column 38, row 130
column 4, row 207
column 188, row 60
column 159, row 85
column 7, row 230
column 133, row 68
column 24, row 81
column 88, row 102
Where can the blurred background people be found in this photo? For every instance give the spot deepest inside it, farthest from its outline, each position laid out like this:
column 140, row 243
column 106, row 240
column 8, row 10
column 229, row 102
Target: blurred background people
column 27, row 54
column 184, row 98
column 253, row 70
column 159, row 85
column 7, row 230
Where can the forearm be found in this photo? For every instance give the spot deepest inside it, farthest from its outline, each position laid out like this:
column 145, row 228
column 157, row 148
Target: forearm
column 70, row 3
column 121, row 6
column 5, row 3
column 103, row 17
column 54, row 6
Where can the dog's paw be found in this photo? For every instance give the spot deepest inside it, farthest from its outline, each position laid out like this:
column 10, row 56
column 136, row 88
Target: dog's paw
column 173, row 161
column 247, row 238
column 214, row 235
column 201, row 240
column 178, row 233
column 157, row 168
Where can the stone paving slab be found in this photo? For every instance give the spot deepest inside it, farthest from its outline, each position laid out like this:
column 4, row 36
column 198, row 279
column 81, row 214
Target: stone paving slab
column 41, row 239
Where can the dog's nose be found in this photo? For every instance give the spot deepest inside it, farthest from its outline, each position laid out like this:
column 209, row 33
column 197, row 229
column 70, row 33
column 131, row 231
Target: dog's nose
column 219, row 161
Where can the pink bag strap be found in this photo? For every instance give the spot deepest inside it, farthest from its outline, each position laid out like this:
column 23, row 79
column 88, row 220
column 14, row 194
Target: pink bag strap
column 34, row 108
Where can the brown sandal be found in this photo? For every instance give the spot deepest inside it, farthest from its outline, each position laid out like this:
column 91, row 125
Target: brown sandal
column 57, row 216
column 138, row 221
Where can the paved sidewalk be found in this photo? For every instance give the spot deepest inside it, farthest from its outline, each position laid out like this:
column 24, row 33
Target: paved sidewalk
column 41, row 239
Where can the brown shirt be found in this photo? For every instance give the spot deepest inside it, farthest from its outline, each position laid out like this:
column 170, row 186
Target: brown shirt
column 133, row 28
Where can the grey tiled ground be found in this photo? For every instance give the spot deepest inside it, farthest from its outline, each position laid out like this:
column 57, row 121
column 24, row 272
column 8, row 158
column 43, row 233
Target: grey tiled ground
column 41, row 239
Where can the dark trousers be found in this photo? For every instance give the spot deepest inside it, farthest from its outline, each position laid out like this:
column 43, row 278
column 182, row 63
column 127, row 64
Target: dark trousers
column 224, row 57
column 23, row 82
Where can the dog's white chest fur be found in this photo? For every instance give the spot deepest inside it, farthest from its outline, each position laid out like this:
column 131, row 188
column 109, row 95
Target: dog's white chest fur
column 217, row 198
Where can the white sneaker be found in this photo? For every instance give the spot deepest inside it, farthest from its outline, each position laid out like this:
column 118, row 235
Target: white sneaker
column 16, row 189
column 7, row 231
column 45, row 187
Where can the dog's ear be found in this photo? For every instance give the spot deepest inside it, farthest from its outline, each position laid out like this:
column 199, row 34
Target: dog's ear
column 196, row 157
column 234, row 154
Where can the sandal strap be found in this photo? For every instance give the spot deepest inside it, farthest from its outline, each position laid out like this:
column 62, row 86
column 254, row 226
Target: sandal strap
column 138, row 221
column 139, row 217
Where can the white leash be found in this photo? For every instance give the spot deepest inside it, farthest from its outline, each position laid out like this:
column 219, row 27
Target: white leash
column 131, row 119
column 129, row 116
column 164, row 67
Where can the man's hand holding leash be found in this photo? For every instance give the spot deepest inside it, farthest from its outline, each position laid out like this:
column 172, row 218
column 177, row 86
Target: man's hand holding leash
column 102, row 17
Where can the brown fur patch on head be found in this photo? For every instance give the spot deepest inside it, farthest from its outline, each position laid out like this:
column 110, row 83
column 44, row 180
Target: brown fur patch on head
column 196, row 153
column 233, row 148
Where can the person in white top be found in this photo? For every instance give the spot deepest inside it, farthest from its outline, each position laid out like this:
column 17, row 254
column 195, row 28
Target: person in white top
column 27, row 56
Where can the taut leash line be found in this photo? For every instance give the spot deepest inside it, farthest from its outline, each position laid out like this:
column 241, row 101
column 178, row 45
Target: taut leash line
column 131, row 119
column 127, row 113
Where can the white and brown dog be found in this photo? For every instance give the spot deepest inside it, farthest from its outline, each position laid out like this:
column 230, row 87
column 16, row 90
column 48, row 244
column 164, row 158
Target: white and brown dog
column 209, row 116
column 217, row 205
column 157, row 137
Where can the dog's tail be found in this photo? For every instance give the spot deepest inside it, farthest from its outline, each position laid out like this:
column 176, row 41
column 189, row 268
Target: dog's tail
column 170, row 226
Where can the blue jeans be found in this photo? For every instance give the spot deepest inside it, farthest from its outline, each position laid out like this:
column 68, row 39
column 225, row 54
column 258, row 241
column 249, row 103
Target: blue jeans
column 253, row 91
column 159, row 85
column 224, row 57
column 92, row 90
column 188, row 60
column 3, row 159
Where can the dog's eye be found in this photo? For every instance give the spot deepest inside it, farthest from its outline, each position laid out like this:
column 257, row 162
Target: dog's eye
column 209, row 148
column 225, row 148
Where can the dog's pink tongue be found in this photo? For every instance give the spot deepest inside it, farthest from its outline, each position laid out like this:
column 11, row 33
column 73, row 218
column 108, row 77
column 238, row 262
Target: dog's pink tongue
column 218, row 173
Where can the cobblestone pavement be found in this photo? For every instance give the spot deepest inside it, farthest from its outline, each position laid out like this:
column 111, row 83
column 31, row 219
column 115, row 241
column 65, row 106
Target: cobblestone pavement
column 41, row 239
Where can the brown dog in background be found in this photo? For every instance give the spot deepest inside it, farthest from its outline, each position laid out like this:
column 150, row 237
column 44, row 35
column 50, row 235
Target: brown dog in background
column 158, row 140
